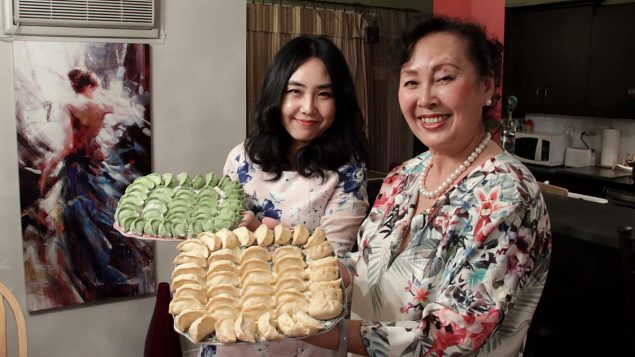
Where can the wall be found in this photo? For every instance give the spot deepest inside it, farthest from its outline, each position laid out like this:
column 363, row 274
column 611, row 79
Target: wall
column 198, row 74
column 574, row 126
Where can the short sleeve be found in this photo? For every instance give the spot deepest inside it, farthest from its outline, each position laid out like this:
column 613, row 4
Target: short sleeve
column 346, row 207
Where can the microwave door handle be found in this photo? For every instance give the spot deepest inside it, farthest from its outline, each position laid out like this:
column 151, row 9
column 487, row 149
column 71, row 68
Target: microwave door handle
column 538, row 151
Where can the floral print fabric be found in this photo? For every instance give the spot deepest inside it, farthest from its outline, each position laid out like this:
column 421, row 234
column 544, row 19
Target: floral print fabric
column 338, row 204
column 471, row 275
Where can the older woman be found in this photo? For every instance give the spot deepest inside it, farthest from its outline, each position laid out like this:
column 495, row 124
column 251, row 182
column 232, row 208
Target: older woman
column 454, row 254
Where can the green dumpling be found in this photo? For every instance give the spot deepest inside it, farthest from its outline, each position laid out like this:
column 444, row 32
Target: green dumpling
column 211, row 180
column 184, row 179
column 152, row 226
column 156, row 178
column 198, row 182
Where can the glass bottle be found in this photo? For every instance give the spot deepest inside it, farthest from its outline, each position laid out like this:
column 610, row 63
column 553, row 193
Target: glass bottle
column 161, row 339
column 508, row 135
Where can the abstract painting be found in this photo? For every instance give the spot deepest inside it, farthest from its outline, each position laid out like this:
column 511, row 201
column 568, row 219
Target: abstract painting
column 83, row 133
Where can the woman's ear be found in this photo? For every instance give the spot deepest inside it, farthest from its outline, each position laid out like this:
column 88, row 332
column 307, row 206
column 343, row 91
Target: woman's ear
column 489, row 87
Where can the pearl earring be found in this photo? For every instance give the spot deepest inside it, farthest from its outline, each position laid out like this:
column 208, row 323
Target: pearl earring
column 488, row 102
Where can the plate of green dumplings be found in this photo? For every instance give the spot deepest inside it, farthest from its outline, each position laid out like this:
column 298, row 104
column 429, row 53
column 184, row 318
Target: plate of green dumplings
column 175, row 207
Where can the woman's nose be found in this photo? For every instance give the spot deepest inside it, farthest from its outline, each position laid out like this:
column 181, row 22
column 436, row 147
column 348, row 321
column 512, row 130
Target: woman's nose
column 426, row 97
column 307, row 104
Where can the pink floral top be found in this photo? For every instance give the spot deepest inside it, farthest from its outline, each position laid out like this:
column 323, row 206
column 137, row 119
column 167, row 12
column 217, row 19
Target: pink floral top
column 470, row 278
column 338, row 204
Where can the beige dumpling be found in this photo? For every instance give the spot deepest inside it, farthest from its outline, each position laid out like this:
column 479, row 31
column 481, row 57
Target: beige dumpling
column 282, row 234
column 185, row 318
column 264, row 236
column 310, row 324
column 253, row 264
column 191, row 290
column 328, row 294
column 211, row 240
column 228, row 238
column 245, row 236
column 223, row 277
column 267, row 329
column 224, row 312
column 222, row 301
column 292, row 272
column 258, row 276
column 183, row 279
column 256, row 298
column 245, row 328
column 202, row 327
column 255, row 252
column 289, row 261
column 257, row 287
column 222, row 254
column 189, row 257
column 193, row 246
column 256, row 311
column 188, row 268
column 222, row 265
column 323, row 262
column 324, row 274
column 286, row 296
column 320, row 251
column 316, row 238
column 290, row 327
column 222, row 290
column 225, row 330
column 290, row 282
column 182, row 303
column 285, row 251
column 316, row 286
column 300, row 234
column 291, row 307
column 325, row 309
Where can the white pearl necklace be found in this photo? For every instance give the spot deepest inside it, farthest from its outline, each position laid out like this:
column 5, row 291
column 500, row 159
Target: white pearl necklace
column 456, row 173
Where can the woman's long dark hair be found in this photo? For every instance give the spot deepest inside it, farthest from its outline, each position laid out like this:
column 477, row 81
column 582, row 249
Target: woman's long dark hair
column 344, row 141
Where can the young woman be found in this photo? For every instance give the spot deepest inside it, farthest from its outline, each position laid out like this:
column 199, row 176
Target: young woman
column 304, row 161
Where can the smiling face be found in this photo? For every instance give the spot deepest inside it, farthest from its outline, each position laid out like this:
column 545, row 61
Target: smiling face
column 308, row 105
column 441, row 94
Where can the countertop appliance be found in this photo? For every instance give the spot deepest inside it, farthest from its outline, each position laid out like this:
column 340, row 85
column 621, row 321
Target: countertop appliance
column 576, row 157
column 538, row 148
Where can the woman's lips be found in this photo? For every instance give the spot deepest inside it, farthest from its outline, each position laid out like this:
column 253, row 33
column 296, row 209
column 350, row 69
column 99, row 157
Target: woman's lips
column 305, row 122
column 433, row 121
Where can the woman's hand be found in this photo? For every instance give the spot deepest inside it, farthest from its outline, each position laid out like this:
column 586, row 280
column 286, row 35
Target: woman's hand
column 250, row 221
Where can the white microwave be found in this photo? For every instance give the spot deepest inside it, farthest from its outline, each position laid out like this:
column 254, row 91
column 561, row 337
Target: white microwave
column 541, row 148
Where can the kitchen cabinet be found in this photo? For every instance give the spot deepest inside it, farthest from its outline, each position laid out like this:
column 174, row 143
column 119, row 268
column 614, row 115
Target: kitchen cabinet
column 612, row 75
column 574, row 59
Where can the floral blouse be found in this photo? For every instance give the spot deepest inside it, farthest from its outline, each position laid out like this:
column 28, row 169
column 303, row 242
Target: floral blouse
column 338, row 204
column 470, row 278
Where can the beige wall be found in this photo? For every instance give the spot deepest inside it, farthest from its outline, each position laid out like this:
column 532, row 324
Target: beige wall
column 198, row 105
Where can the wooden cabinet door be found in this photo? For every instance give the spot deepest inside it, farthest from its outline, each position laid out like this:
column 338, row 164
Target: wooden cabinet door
column 547, row 58
column 612, row 73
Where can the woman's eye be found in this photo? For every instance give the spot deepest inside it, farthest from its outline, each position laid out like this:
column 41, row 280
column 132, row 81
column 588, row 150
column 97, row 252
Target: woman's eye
column 410, row 83
column 445, row 79
column 293, row 90
column 325, row 94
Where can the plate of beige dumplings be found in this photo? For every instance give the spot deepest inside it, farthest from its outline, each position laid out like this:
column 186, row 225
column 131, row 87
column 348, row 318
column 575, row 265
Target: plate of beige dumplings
column 243, row 287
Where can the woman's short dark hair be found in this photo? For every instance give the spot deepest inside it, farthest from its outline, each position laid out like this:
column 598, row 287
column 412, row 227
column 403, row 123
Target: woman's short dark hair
column 486, row 54
column 81, row 79
column 344, row 141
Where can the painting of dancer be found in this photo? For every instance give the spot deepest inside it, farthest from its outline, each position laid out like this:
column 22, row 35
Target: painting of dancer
column 83, row 125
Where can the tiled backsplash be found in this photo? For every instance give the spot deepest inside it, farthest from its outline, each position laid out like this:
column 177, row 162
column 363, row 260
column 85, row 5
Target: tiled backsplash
column 574, row 126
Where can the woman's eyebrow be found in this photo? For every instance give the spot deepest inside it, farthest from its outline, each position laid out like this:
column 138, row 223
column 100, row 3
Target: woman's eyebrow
column 321, row 86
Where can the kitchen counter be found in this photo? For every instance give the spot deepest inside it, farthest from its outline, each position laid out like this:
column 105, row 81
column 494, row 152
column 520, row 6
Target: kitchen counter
column 589, row 221
column 588, row 180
